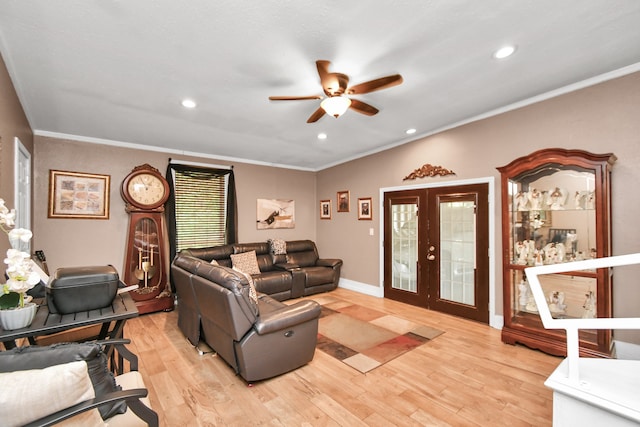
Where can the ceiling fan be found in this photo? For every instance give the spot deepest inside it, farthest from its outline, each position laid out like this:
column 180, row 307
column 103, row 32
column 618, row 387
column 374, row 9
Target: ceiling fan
column 336, row 88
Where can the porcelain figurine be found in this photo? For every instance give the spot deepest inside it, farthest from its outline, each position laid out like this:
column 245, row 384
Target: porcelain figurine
column 538, row 258
column 590, row 203
column 589, row 306
column 521, row 201
column 535, row 199
column 556, row 302
column 524, row 293
column 557, row 198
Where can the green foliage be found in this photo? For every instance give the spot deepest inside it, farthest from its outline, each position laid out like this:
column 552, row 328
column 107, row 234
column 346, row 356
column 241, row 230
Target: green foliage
column 10, row 300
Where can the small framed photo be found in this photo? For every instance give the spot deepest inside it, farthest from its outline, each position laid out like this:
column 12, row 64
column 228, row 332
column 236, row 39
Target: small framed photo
column 343, row 201
column 325, row 209
column 78, row 195
column 365, row 208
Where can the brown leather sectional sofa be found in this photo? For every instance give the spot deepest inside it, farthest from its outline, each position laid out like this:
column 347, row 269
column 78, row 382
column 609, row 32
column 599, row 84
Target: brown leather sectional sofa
column 258, row 337
column 299, row 272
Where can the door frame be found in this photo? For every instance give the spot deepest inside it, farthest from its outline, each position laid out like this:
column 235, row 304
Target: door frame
column 495, row 320
column 22, row 189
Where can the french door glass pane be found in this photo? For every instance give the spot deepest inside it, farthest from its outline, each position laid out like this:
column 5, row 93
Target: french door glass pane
column 457, row 251
column 404, row 246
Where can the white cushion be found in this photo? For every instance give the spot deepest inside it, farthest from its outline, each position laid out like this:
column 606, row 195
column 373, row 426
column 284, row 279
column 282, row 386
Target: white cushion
column 278, row 246
column 247, row 262
column 26, row 396
column 252, row 286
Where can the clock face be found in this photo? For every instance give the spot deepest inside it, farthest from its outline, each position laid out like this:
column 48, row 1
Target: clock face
column 146, row 189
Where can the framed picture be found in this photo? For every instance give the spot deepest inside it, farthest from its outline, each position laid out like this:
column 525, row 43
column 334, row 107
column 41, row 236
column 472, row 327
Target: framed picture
column 78, row 195
column 275, row 213
column 325, row 209
column 343, row 201
column 365, row 208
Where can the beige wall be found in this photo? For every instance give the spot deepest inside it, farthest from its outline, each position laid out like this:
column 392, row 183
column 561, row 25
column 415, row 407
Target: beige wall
column 602, row 118
column 13, row 123
column 71, row 242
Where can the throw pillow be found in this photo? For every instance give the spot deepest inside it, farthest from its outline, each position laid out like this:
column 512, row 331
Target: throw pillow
column 35, row 357
column 252, row 286
column 26, row 396
column 278, row 246
column 247, row 262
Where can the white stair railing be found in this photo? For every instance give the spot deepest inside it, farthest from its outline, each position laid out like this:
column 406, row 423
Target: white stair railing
column 572, row 326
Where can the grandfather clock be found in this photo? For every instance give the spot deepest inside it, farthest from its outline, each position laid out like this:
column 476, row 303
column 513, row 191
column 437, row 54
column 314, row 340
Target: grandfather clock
column 145, row 192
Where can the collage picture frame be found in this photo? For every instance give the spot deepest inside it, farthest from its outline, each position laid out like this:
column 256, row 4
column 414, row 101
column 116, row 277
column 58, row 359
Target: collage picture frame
column 78, row 195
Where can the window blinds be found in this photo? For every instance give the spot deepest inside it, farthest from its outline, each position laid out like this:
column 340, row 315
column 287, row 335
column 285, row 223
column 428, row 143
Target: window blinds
column 200, row 208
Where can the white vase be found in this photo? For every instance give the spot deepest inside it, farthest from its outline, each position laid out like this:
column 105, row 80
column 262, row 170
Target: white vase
column 19, row 317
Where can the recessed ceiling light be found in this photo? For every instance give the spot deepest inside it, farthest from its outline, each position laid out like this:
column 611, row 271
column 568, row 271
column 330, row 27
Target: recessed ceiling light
column 322, row 135
column 503, row 52
column 410, row 131
column 188, row 103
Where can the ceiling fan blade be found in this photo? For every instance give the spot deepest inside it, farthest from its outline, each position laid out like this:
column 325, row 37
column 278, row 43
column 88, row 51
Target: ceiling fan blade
column 323, row 69
column 363, row 108
column 328, row 81
column 293, row 98
column 316, row 115
column 377, row 84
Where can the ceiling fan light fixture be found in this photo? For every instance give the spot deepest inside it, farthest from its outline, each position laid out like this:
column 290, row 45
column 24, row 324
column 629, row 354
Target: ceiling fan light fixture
column 335, row 105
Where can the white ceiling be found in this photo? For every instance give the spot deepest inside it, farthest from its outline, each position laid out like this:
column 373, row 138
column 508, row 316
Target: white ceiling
column 117, row 70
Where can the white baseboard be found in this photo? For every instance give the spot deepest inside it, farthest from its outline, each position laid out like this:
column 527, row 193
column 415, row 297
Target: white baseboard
column 627, row 350
column 496, row 321
column 363, row 288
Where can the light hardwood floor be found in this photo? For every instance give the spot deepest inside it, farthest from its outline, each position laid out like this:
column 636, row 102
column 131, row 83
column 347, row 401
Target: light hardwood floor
column 465, row 377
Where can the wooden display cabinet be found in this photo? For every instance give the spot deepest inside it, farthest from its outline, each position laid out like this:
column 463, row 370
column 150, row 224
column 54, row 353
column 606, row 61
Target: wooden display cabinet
column 556, row 208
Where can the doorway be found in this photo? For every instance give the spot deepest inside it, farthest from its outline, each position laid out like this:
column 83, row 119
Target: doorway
column 436, row 249
column 22, row 191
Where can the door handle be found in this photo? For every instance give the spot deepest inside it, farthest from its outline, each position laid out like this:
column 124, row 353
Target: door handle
column 430, row 255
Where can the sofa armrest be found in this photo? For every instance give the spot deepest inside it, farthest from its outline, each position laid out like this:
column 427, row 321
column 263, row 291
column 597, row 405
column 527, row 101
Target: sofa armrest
column 132, row 397
column 329, row 262
column 286, row 266
column 287, row 317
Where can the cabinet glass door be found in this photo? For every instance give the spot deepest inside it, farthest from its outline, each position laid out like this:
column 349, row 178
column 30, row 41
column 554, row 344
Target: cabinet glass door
column 552, row 211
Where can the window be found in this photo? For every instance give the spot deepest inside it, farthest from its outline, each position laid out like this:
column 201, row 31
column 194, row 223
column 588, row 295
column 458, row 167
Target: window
column 201, row 210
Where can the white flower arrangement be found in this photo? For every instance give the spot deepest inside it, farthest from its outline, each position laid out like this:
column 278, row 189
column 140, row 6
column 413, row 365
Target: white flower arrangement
column 19, row 267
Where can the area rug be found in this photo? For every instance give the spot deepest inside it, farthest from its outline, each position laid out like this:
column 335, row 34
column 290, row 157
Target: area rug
column 364, row 338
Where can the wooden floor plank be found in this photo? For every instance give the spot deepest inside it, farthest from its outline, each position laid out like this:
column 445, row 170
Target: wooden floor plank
column 465, row 377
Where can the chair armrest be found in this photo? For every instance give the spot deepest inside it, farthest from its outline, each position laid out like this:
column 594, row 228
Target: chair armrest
column 329, row 262
column 286, row 266
column 132, row 397
column 287, row 317
column 123, row 353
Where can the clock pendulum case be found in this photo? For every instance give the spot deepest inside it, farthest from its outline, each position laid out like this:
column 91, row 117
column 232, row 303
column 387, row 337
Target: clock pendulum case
column 145, row 192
